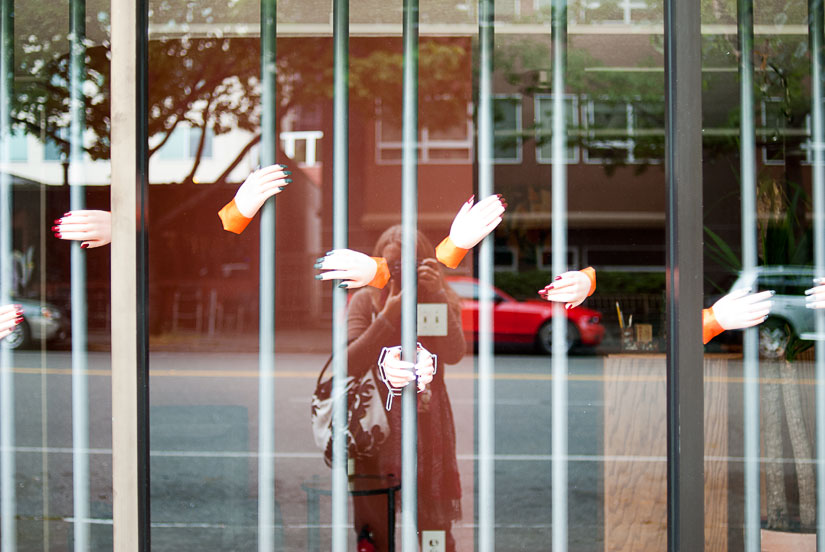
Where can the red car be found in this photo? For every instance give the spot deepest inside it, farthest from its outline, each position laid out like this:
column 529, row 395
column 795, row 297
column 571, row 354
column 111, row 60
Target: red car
column 527, row 322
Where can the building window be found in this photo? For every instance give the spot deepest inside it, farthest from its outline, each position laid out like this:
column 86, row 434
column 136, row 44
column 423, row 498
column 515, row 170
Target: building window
column 183, row 144
column 544, row 127
column 778, row 139
column 507, row 137
column 302, row 146
column 19, row 146
column 52, row 151
column 447, row 146
column 620, row 131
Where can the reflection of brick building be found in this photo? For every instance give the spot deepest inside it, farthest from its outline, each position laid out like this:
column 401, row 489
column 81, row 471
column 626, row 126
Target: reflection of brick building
column 614, row 155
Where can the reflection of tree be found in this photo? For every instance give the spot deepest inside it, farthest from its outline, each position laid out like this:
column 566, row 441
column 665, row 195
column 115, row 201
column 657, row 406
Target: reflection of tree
column 213, row 83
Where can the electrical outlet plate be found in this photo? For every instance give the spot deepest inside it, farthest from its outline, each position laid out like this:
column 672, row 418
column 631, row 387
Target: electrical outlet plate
column 433, row 541
column 432, row 319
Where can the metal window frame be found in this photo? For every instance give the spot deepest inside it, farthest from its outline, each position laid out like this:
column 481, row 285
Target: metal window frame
column 683, row 173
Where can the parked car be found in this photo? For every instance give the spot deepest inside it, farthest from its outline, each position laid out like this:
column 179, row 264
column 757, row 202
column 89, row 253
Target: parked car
column 789, row 316
column 525, row 322
column 40, row 321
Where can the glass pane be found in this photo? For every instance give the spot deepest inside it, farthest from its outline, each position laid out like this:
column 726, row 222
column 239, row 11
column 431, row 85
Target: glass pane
column 56, row 386
column 758, row 182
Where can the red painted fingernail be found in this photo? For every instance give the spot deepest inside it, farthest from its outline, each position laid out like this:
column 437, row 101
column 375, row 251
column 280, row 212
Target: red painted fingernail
column 504, row 205
column 18, row 320
column 67, row 214
column 57, row 235
column 58, row 221
column 472, row 197
column 55, row 228
column 557, row 278
column 548, row 288
column 84, row 245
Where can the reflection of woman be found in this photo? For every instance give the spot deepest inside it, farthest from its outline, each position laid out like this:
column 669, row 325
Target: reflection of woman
column 375, row 322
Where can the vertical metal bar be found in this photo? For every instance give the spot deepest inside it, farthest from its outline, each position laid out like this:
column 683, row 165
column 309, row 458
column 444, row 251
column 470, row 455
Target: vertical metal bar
column 559, row 260
column 8, row 496
column 486, row 363
column 683, row 173
column 409, row 275
column 747, row 169
column 129, row 267
column 266, row 354
column 77, row 201
column 340, row 185
column 815, row 36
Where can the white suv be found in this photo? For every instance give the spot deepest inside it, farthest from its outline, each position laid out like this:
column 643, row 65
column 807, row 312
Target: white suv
column 789, row 316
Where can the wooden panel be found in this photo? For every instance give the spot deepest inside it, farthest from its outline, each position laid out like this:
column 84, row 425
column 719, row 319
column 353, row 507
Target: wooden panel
column 635, row 468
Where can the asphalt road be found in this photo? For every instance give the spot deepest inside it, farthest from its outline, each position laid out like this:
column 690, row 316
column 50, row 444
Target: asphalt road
column 204, row 442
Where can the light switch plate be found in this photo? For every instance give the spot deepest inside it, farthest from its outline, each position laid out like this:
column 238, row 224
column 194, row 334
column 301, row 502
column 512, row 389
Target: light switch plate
column 432, row 319
column 433, row 541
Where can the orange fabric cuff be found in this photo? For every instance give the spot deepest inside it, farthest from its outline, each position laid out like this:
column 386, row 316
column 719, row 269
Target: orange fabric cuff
column 233, row 220
column 449, row 254
column 382, row 275
column 710, row 327
column 590, row 272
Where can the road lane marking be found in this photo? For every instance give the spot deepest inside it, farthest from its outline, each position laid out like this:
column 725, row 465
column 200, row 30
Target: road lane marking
column 294, row 374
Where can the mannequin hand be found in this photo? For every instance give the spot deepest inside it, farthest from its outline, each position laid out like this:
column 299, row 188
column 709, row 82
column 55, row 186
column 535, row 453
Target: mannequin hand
column 424, row 368
column 357, row 269
column 816, row 295
column 93, row 228
column 10, row 316
column 399, row 373
column 260, row 186
column 474, row 222
column 742, row 309
column 571, row 288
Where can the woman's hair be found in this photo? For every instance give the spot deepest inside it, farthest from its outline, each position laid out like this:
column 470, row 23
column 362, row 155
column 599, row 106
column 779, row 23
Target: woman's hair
column 392, row 235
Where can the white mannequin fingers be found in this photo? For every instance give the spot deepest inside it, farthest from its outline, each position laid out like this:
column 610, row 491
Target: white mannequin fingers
column 336, row 275
column 76, row 236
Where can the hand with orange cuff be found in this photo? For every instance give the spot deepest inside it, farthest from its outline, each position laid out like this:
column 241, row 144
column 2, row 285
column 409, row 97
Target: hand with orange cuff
column 737, row 310
column 471, row 225
column 93, row 228
column 571, row 287
column 397, row 373
column 251, row 196
column 10, row 316
column 356, row 269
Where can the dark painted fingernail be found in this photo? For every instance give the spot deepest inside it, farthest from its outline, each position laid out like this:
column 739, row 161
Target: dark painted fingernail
column 84, row 245
column 287, row 180
column 320, row 259
column 281, row 188
column 317, row 265
column 342, row 285
column 317, row 276
column 287, row 172
column 328, row 253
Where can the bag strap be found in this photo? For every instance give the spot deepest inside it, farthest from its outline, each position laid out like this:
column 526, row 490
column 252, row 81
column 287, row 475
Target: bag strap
column 324, row 369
